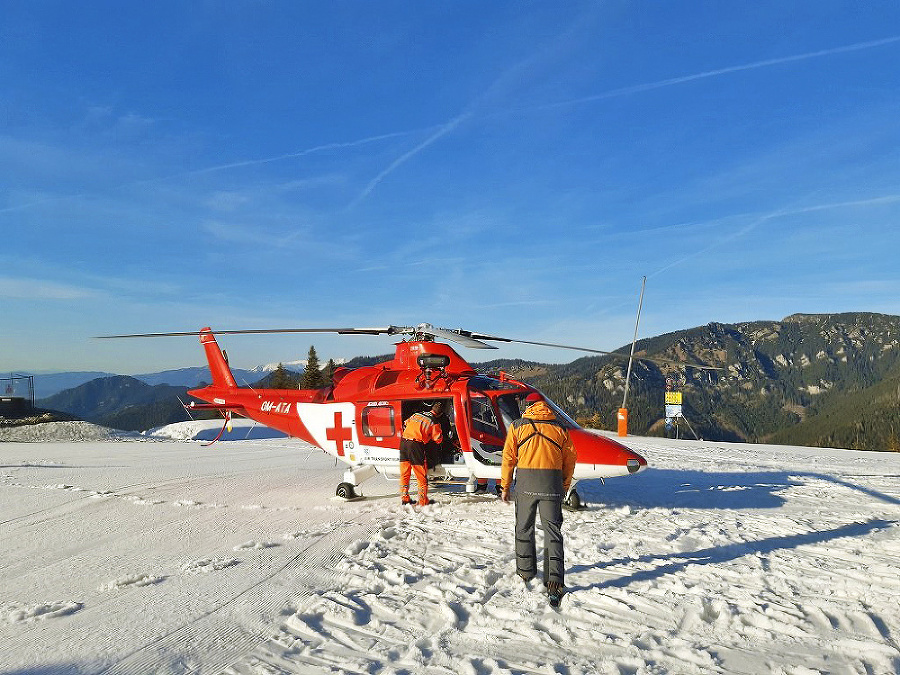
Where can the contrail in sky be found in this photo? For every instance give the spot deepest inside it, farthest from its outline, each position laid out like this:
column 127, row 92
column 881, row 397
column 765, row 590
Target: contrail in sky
column 293, row 155
column 448, row 127
column 441, row 132
column 235, row 165
column 452, row 124
column 444, row 129
column 787, row 211
column 635, row 89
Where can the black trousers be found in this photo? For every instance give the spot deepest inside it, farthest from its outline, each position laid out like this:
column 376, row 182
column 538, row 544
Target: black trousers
column 413, row 452
column 550, row 508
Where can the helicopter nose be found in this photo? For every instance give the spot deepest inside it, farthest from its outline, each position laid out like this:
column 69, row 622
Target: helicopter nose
column 596, row 449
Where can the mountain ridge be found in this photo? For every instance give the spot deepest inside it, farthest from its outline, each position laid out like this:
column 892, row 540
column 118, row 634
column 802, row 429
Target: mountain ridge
column 808, row 379
column 773, row 376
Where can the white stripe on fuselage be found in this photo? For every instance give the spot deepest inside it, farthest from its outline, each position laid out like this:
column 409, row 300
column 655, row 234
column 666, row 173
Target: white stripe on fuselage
column 333, row 426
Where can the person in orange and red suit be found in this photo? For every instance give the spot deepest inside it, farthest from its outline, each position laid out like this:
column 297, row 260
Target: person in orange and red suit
column 419, row 431
column 538, row 447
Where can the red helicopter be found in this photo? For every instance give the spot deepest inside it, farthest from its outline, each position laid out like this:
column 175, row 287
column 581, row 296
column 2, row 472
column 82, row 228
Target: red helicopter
column 360, row 416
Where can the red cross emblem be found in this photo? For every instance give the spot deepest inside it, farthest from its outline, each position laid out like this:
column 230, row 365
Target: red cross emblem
column 339, row 433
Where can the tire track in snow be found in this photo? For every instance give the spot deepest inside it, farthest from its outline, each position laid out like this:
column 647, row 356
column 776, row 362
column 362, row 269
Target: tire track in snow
column 124, row 492
column 205, row 645
column 83, row 506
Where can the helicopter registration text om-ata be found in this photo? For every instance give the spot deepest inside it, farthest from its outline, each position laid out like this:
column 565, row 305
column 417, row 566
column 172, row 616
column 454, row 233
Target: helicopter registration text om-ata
column 271, row 406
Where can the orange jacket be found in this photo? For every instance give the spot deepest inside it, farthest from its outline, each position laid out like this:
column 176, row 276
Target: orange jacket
column 422, row 427
column 536, row 441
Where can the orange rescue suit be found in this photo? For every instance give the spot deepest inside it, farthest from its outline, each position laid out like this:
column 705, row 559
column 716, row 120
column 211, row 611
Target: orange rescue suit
column 538, row 441
column 421, row 429
column 418, row 431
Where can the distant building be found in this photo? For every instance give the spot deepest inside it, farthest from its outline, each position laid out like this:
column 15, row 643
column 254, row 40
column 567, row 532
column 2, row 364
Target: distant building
column 16, row 395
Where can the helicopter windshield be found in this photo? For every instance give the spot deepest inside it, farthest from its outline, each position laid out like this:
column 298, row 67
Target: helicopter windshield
column 513, row 405
column 562, row 417
column 510, row 407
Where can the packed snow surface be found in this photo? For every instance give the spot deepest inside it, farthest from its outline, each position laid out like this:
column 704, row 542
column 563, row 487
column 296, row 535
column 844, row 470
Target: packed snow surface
column 63, row 431
column 172, row 557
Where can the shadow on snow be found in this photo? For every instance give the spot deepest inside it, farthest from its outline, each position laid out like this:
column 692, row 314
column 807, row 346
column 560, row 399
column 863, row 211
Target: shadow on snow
column 720, row 554
column 672, row 488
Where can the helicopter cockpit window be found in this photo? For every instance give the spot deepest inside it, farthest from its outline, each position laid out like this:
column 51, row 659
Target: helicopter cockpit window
column 483, row 417
column 513, row 405
column 561, row 416
column 510, row 410
column 485, row 383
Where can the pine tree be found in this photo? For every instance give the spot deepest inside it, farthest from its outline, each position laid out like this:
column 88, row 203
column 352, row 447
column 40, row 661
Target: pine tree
column 329, row 372
column 312, row 376
column 281, row 379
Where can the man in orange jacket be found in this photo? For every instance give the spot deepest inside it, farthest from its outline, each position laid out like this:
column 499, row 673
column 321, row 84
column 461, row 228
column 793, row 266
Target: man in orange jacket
column 540, row 450
column 419, row 430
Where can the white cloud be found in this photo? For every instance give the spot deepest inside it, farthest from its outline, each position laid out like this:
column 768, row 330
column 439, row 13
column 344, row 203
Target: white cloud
column 24, row 288
column 254, row 235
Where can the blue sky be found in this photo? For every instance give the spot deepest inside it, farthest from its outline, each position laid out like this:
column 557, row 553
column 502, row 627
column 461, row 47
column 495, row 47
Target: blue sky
column 512, row 168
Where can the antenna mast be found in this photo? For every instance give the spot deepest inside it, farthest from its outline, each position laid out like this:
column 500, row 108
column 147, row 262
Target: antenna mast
column 623, row 411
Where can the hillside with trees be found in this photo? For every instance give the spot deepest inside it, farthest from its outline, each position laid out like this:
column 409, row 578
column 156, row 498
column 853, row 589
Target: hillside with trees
column 121, row 402
column 827, row 380
column 822, row 380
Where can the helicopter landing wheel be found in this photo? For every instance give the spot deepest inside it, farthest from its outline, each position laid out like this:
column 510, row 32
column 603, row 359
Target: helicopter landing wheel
column 346, row 491
column 573, row 501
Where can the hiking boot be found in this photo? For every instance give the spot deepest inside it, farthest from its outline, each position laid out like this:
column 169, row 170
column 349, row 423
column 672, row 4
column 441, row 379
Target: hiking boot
column 406, row 501
column 554, row 593
column 525, row 577
column 426, row 502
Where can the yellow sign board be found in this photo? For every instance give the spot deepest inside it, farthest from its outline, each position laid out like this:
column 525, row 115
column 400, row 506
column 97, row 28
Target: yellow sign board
column 673, row 397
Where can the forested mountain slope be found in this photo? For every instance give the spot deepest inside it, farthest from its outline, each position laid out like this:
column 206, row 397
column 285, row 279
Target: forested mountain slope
column 817, row 379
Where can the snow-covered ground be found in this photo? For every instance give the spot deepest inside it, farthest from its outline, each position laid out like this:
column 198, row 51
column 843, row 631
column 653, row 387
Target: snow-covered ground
column 204, row 430
column 171, row 557
column 62, row 431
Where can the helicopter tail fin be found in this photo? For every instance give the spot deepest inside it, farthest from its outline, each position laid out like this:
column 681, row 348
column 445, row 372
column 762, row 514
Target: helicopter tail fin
column 218, row 363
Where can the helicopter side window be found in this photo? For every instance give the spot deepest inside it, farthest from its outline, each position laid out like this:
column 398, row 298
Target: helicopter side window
column 378, row 421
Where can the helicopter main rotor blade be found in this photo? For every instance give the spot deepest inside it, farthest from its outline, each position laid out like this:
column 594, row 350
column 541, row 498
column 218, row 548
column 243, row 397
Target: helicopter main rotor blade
column 460, row 337
column 654, row 359
column 426, row 330
column 389, row 330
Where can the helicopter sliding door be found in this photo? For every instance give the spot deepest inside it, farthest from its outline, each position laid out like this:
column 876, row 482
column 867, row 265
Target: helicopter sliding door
column 447, row 453
column 495, row 405
column 378, row 421
column 487, row 433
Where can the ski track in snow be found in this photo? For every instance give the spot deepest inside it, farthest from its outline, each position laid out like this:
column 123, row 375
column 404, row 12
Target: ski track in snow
column 720, row 559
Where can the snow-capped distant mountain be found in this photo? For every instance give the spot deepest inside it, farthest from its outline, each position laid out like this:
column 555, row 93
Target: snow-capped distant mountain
column 296, row 366
column 49, row 384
